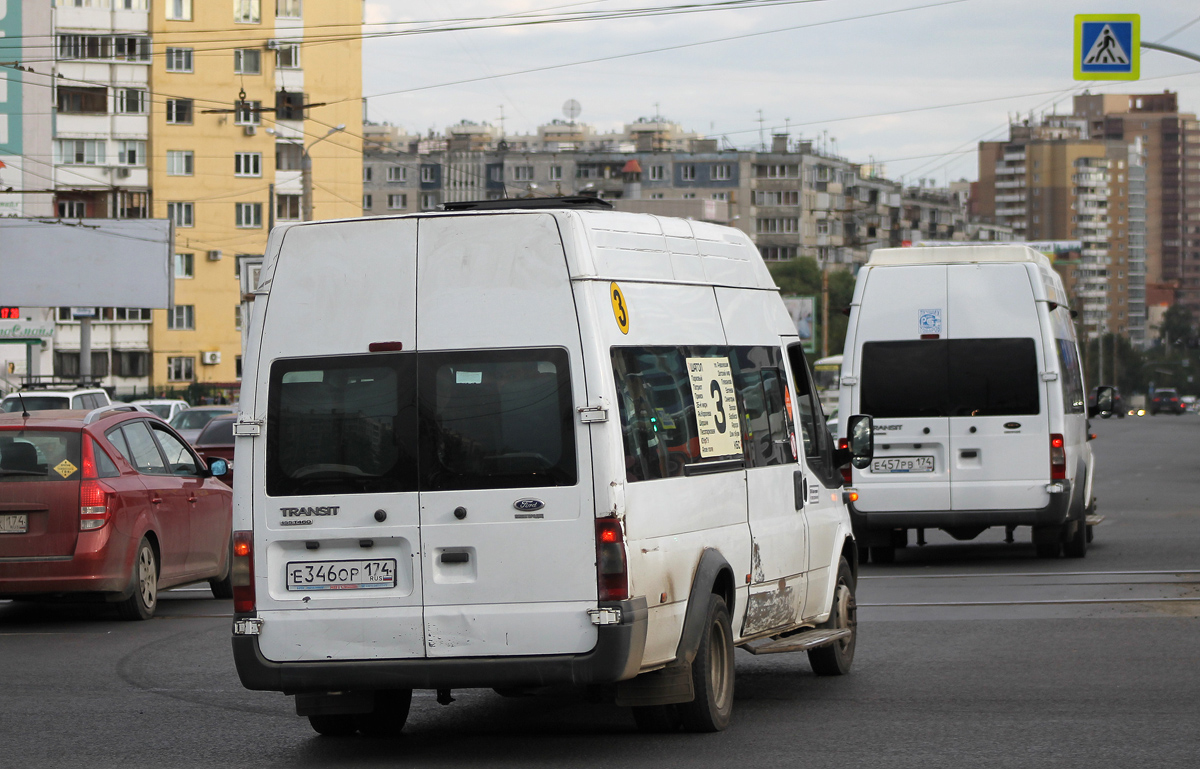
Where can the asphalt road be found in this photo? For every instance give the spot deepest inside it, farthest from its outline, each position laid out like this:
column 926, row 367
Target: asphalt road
column 969, row 654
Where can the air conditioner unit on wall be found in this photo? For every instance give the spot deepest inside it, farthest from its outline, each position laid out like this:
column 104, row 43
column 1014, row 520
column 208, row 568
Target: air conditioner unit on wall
column 214, row 255
column 249, row 130
column 122, row 172
column 210, row 358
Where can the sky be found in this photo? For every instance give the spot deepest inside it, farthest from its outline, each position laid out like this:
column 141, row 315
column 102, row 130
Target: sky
column 913, row 84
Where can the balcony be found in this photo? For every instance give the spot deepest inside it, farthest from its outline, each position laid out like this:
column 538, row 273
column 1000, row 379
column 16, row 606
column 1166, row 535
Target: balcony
column 1019, row 198
column 1010, row 170
column 1011, row 185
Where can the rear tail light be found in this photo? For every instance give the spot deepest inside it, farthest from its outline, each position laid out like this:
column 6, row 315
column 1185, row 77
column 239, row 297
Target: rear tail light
column 95, row 499
column 612, row 572
column 1058, row 458
column 243, row 571
column 847, row 473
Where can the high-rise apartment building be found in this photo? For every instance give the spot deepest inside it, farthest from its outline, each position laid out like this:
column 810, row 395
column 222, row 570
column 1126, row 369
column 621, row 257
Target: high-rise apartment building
column 241, row 101
column 1170, row 141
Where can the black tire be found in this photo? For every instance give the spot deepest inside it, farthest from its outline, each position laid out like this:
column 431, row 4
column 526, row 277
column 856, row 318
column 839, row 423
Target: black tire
column 1090, row 534
column 712, row 674
column 144, row 599
column 864, row 554
column 657, row 719
column 1048, row 549
column 836, row 659
column 222, row 587
column 1076, row 546
column 391, row 711
column 883, row 554
column 339, row 725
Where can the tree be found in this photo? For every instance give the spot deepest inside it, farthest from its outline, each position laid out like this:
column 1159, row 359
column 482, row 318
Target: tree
column 802, row 277
column 1178, row 327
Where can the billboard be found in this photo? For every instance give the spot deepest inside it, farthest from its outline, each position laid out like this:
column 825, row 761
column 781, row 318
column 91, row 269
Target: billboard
column 803, row 310
column 87, row 262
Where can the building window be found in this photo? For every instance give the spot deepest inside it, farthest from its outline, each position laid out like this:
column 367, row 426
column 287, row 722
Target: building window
column 247, row 61
column 237, row 317
column 185, row 265
column 73, row 100
column 287, row 208
column 429, row 202
column 787, row 172
column 778, row 253
column 556, row 173
column 130, row 363
column 368, row 201
column 496, row 174
column 784, row 225
column 248, row 215
column 428, row 174
column 131, row 101
column 179, row 10
column 687, row 173
column 689, row 196
column 657, row 173
column 287, row 57
column 396, row 202
column 247, row 164
column 288, row 156
column 82, row 47
column 80, row 152
column 131, row 153
column 523, row 173
column 131, row 48
column 179, row 59
column 66, row 364
column 182, row 317
column 287, row 9
column 179, row 111
column 368, row 172
column 289, row 105
column 133, row 205
column 181, row 369
column 247, row 113
column 247, row 11
column 397, row 174
column 720, row 196
column 72, row 209
column 722, row 172
column 181, row 214
column 179, row 162
column 656, row 196
column 781, row 198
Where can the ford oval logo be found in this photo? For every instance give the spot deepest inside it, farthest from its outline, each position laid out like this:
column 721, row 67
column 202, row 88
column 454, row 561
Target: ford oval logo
column 528, row 505
column 1012, row 425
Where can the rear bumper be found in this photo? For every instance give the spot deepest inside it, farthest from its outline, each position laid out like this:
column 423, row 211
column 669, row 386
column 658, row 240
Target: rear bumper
column 1052, row 514
column 102, row 563
column 616, row 657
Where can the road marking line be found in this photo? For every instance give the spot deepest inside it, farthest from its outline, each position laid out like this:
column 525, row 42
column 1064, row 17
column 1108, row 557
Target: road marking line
column 1052, row 601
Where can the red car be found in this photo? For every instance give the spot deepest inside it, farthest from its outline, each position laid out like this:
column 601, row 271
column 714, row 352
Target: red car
column 108, row 502
column 215, row 441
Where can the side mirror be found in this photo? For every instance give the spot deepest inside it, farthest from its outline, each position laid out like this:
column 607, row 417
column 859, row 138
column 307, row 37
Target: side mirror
column 1105, row 396
column 218, row 467
column 860, row 432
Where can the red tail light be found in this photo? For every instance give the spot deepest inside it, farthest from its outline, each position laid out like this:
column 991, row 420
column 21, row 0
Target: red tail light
column 847, row 473
column 1058, row 458
column 95, row 499
column 243, row 571
column 612, row 573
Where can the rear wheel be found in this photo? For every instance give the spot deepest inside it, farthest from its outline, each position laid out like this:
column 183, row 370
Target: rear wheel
column 339, row 725
column 836, row 659
column 712, row 674
column 1048, row 549
column 222, row 587
column 144, row 600
column 391, row 711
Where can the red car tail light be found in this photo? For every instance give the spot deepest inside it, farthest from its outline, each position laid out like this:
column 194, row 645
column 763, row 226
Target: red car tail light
column 243, row 571
column 95, row 499
column 612, row 572
column 1058, row 458
column 847, row 472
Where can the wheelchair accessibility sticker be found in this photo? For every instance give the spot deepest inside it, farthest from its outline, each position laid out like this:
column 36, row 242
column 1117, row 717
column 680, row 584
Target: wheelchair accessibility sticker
column 929, row 321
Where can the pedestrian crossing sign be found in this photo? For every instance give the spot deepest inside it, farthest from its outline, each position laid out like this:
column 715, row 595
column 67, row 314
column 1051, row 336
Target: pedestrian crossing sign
column 1107, row 46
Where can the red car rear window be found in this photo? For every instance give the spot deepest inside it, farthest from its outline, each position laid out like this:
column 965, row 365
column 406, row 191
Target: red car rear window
column 39, row 455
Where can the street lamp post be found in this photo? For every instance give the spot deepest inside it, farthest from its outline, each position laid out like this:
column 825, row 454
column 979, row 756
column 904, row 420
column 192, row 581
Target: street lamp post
column 306, row 172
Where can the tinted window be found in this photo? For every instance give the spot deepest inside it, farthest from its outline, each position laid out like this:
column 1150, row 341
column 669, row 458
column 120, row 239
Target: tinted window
column 956, row 377
column 117, row 439
column 162, row 410
column 49, row 455
column 143, row 448
column 179, row 459
column 36, row 403
column 79, row 402
column 194, row 419
column 496, row 419
column 766, row 425
column 218, row 432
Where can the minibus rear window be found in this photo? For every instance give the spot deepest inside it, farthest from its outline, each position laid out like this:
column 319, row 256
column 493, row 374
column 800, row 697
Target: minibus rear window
column 955, row 377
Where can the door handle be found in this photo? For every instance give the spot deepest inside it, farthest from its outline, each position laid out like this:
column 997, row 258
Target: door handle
column 800, row 487
column 192, row 499
column 156, row 500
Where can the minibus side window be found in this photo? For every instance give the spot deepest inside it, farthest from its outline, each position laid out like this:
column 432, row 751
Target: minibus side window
column 805, row 404
column 766, row 427
column 1071, row 378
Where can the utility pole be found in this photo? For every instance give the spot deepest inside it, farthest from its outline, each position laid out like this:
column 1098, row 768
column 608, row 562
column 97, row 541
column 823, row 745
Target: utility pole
column 306, row 182
column 825, row 307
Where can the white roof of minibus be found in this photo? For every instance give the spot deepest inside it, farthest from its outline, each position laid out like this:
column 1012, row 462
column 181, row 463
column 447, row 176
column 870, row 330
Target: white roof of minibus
column 889, row 257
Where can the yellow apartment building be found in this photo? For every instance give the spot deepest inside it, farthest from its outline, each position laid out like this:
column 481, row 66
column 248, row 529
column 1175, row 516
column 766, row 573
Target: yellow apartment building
column 242, row 91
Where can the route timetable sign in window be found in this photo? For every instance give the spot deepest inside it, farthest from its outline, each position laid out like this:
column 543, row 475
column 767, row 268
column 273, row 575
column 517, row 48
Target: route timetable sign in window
column 1107, row 46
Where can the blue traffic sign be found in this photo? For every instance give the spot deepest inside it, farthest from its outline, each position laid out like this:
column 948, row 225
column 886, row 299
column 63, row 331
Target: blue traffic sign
column 1107, row 47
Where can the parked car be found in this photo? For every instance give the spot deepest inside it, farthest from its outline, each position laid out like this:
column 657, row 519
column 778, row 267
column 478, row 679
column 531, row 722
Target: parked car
column 50, row 398
column 111, row 503
column 165, row 408
column 1166, row 399
column 216, row 442
column 189, row 423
